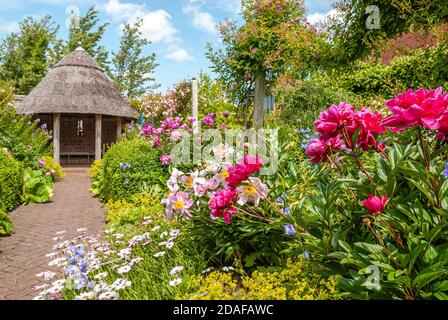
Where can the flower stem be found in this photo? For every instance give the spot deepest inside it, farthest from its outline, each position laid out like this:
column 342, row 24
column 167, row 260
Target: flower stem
column 381, row 242
column 422, row 145
column 397, row 238
column 361, row 166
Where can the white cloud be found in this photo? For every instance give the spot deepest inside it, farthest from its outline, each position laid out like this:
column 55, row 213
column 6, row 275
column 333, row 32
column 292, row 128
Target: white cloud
column 156, row 27
column 201, row 19
column 318, row 17
column 7, row 27
column 179, row 55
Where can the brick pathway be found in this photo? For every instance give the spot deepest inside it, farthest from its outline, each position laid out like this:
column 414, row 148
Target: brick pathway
column 22, row 255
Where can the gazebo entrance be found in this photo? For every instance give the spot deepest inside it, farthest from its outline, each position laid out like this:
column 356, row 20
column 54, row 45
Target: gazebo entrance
column 85, row 137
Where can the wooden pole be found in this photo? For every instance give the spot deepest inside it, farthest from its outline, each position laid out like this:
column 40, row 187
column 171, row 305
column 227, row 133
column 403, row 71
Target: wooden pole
column 119, row 128
column 57, row 138
column 195, row 105
column 98, row 146
column 260, row 84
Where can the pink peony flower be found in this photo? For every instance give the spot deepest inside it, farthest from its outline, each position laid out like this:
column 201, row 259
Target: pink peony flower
column 165, row 159
column 375, row 205
column 42, row 163
column 221, row 204
column 422, row 107
column 180, row 203
column 241, row 171
column 253, row 192
column 370, row 123
column 442, row 124
column 156, row 143
column 334, row 118
column 319, row 150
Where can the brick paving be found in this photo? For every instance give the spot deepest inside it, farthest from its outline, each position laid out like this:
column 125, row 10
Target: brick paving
column 22, row 255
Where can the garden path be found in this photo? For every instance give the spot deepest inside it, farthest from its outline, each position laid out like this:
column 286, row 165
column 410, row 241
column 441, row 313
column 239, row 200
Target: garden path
column 22, row 255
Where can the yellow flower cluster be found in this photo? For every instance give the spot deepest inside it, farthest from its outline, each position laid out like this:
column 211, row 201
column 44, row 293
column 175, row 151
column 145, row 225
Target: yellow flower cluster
column 142, row 205
column 299, row 280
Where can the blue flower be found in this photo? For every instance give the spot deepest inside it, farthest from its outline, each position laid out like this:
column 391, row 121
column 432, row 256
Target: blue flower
column 286, row 211
column 73, row 271
column 83, row 267
column 80, row 252
column 283, row 196
column 445, row 172
column 73, row 249
column 121, row 166
column 72, row 261
column 126, row 181
column 279, row 200
column 289, row 229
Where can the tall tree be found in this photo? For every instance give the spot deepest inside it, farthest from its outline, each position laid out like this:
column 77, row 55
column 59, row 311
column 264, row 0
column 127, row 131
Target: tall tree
column 84, row 31
column 132, row 69
column 23, row 55
column 274, row 38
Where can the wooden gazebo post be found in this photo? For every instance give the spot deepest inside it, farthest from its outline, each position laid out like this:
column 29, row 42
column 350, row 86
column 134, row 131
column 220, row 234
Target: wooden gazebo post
column 119, row 127
column 98, row 146
column 56, row 137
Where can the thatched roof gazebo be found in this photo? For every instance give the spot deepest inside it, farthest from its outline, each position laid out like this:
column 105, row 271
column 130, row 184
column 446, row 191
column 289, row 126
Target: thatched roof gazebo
column 78, row 94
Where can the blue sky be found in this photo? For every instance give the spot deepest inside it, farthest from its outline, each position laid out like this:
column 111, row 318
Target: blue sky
column 178, row 29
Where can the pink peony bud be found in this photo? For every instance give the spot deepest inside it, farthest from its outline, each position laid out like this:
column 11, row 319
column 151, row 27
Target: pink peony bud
column 375, row 205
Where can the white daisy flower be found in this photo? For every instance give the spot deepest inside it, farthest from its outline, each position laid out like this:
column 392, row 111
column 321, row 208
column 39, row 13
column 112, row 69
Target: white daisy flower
column 176, row 270
column 159, row 254
column 175, row 282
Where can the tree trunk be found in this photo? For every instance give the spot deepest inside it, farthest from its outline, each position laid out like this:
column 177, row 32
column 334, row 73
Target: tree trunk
column 260, row 86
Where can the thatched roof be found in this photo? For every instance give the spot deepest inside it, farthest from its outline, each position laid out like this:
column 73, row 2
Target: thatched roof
column 76, row 84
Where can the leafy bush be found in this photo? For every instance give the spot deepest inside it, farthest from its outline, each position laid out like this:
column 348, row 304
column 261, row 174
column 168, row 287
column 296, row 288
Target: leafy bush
column 37, row 186
column 6, row 225
column 300, row 280
column 11, row 172
column 130, row 167
column 299, row 106
column 21, row 136
column 122, row 212
column 51, row 167
column 383, row 220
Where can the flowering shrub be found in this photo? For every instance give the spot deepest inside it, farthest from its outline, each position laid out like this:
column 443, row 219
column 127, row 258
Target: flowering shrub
column 297, row 281
column 149, row 261
column 390, row 215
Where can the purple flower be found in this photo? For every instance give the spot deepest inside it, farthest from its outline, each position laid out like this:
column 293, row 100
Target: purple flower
column 289, row 229
column 42, row 163
column 225, row 114
column 208, row 121
column 165, row 159
column 445, row 172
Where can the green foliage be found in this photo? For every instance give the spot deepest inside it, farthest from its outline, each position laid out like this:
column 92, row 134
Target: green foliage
column 122, row 212
column 144, row 173
column 354, row 40
column 51, row 164
column 408, row 248
column 300, row 105
column 18, row 134
column 6, row 225
column 132, row 70
column 10, row 182
column 37, row 187
column 23, row 55
column 419, row 69
column 300, row 280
